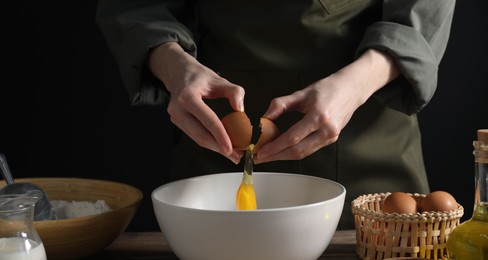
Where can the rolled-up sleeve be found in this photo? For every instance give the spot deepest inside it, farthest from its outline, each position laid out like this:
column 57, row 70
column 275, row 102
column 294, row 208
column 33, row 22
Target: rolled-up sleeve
column 415, row 33
column 131, row 29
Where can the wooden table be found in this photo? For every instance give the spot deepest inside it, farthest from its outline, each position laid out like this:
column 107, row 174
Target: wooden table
column 152, row 245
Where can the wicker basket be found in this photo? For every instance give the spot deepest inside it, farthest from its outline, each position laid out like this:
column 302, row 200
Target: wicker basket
column 380, row 235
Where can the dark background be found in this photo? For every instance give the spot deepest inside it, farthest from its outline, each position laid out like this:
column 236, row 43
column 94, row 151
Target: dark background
column 64, row 111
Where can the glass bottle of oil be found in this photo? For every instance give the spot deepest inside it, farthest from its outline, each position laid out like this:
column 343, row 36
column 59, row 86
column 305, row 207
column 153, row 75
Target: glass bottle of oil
column 469, row 241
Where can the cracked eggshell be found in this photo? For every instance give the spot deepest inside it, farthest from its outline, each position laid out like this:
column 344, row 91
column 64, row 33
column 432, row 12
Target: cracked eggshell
column 269, row 132
column 239, row 129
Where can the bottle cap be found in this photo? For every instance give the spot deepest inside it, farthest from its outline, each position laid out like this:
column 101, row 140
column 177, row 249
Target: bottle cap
column 481, row 146
column 483, row 136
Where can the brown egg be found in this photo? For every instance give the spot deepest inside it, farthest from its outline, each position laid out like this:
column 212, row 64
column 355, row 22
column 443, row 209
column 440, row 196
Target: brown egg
column 438, row 201
column 239, row 129
column 269, row 132
column 399, row 202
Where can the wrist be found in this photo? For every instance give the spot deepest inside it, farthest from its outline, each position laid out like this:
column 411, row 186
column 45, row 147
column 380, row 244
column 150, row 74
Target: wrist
column 381, row 68
column 162, row 60
column 370, row 72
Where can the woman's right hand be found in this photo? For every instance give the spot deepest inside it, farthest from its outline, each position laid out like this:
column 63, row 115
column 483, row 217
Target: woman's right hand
column 189, row 83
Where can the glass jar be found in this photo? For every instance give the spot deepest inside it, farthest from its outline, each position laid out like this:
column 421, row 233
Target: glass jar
column 469, row 241
column 18, row 238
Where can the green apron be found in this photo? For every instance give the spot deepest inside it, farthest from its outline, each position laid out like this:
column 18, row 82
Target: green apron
column 280, row 50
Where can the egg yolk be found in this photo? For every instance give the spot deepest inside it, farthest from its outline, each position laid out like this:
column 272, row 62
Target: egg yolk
column 246, row 197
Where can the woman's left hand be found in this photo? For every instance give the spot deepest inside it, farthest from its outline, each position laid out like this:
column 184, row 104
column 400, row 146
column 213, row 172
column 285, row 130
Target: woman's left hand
column 327, row 105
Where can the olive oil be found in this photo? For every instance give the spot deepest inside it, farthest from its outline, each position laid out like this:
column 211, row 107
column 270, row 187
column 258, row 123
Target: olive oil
column 469, row 241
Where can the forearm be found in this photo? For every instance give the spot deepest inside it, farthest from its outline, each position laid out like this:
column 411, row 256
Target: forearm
column 369, row 73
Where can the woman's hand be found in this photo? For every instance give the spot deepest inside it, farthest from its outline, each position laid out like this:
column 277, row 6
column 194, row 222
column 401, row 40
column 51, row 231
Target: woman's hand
column 327, row 105
column 189, row 83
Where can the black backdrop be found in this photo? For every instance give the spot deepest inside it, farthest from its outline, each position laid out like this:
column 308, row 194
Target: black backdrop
column 64, row 112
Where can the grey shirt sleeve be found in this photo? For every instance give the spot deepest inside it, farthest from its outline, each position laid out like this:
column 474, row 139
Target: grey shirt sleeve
column 132, row 28
column 415, row 33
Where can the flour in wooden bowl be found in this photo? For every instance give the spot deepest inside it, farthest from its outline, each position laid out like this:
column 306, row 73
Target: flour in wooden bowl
column 74, row 209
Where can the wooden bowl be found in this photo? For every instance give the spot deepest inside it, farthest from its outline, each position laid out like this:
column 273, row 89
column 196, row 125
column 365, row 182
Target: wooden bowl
column 76, row 238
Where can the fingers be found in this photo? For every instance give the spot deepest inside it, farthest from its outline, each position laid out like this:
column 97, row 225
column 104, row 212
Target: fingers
column 208, row 118
column 190, row 113
column 280, row 105
column 213, row 125
column 194, row 129
column 199, row 122
column 224, row 89
column 236, row 98
column 326, row 111
column 302, row 139
column 307, row 146
column 203, row 137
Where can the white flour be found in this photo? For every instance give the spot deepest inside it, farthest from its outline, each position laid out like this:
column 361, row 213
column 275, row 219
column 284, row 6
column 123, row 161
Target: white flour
column 65, row 209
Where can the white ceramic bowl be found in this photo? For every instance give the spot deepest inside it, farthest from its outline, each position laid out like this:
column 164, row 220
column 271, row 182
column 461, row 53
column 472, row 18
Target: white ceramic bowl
column 296, row 218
